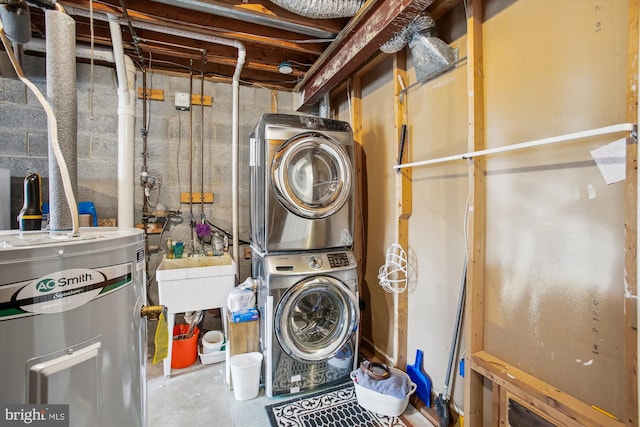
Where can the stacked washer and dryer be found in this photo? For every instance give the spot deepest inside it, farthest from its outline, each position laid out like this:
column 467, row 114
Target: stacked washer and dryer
column 302, row 222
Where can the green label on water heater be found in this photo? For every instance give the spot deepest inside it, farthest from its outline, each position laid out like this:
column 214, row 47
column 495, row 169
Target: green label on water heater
column 63, row 290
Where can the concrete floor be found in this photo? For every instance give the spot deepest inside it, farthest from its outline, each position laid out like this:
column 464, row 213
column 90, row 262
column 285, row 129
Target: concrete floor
column 199, row 396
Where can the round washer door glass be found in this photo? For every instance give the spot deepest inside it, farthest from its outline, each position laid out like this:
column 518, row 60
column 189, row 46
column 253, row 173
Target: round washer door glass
column 315, row 318
column 311, row 175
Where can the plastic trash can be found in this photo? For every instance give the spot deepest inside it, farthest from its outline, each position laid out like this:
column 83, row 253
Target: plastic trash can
column 245, row 373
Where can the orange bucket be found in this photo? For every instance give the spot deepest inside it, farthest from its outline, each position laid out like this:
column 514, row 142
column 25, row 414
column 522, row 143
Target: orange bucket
column 184, row 352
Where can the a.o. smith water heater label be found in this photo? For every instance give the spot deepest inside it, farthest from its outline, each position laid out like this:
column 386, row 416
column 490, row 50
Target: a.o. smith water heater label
column 62, row 290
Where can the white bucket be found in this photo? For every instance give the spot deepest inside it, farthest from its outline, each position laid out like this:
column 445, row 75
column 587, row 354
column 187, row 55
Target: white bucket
column 212, row 341
column 245, row 373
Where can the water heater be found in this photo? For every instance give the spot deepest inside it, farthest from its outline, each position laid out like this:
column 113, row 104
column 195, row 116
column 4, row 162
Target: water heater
column 70, row 324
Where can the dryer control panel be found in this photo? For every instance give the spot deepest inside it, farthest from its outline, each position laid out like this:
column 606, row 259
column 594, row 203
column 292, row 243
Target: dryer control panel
column 339, row 259
column 310, row 263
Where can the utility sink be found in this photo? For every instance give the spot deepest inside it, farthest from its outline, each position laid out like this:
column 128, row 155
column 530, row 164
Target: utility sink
column 193, row 267
column 192, row 284
column 188, row 284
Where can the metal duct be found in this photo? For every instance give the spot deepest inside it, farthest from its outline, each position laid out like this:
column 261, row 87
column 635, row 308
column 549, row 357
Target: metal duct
column 253, row 18
column 321, row 9
column 62, row 95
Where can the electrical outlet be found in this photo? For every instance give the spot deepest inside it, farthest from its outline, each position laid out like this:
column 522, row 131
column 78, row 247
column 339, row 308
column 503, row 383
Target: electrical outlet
column 183, row 101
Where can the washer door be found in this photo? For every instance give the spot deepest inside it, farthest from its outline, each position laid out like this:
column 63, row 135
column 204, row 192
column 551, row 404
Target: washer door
column 311, row 175
column 315, row 318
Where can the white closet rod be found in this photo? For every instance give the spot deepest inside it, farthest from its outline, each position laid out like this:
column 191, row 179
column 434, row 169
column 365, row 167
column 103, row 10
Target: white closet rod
column 623, row 127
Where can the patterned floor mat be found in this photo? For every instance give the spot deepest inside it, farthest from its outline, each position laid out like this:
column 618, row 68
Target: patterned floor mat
column 336, row 407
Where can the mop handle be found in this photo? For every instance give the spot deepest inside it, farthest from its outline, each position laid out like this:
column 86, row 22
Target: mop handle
column 456, row 329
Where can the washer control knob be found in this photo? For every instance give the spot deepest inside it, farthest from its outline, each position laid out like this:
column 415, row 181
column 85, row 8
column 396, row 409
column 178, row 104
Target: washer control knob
column 315, row 262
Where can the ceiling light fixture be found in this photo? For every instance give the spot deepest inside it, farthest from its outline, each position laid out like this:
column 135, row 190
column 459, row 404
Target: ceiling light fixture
column 285, row 68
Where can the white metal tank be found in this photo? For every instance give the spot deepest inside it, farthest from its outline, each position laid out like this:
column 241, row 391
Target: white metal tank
column 70, row 324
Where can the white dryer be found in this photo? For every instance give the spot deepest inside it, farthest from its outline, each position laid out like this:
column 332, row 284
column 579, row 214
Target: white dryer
column 309, row 317
column 302, row 184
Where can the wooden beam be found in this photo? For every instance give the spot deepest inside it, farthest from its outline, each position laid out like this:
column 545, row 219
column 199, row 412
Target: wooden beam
column 356, row 43
column 474, row 306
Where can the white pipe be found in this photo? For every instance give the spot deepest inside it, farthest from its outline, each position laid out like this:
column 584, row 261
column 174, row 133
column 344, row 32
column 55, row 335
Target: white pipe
column 100, row 54
column 235, row 112
column 623, row 127
column 126, row 120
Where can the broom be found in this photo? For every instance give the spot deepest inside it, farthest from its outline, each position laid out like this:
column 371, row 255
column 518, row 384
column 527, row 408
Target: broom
column 442, row 401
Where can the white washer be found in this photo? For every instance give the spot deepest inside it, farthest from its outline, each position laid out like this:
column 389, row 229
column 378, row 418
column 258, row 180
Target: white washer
column 302, row 184
column 309, row 316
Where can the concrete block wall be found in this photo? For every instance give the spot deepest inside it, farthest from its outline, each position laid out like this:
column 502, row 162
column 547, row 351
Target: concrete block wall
column 173, row 138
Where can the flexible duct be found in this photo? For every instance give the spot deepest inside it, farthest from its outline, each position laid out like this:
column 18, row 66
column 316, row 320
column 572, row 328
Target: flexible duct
column 321, row 9
column 429, row 53
column 62, row 95
column 399, row 40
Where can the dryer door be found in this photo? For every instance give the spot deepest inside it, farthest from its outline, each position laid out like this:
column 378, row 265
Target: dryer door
column 315, row 318
column 312, row 175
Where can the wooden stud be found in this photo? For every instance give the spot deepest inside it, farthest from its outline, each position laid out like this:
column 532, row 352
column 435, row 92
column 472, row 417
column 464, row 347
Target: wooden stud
column 404, row 206
column 631, row 221
column 498, row 406
column 359, row 235
column 474, row 307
